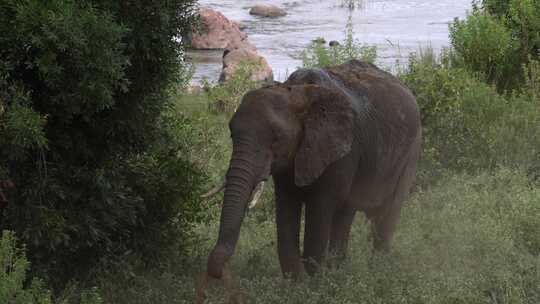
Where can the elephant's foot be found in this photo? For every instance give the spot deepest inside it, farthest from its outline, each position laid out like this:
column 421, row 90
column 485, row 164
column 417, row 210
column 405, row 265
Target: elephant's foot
column 381, row 246
column 336, row 259
column 295, row 273
column 381, row 242
column 234, row 295
column 383, row 226
column 313, row 266
column 201, row 282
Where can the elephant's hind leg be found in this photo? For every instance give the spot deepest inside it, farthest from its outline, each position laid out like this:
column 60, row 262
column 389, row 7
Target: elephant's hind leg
column 383, row 224
column 385, row 219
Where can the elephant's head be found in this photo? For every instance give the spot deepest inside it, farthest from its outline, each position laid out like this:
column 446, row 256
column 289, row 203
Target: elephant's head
column 302, row 128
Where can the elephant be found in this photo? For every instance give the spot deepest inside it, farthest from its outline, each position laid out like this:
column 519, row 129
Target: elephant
column 335, row 141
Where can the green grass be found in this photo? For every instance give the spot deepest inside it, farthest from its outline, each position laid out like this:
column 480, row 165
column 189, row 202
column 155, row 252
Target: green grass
column 467, row 239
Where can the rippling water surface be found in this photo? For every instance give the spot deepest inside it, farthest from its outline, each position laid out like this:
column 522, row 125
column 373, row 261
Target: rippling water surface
column 396, row 27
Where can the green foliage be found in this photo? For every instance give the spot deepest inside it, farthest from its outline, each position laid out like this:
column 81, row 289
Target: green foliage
column 317, row 55
column 525, row 21
column 467, row 124
column 497, row 39
column 495, row 7
column 91, row 297
column 486, row 45
column 226, row 96
column 22, row 129
column 532, row 79
column 13, row 269
column 88, row 132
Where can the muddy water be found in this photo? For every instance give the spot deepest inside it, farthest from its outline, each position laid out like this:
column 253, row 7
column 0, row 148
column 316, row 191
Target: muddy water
column 395, row 27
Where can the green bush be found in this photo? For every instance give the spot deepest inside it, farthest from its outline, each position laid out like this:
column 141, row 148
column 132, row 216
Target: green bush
column 87, row 133
column 532, row 79
column 497, row 39
column 317, row 55
column 17, row 288
column 226, row 96
column 496, row 7
column 13, row 269
column 486, row 45
column 467, row 124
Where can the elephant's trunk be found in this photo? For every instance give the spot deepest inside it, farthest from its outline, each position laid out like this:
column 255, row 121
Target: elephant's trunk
column 239, row 185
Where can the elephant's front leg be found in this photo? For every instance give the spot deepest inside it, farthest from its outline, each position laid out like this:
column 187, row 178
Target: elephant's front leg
column 288, row 215
column 341, row 228
column 319, row 212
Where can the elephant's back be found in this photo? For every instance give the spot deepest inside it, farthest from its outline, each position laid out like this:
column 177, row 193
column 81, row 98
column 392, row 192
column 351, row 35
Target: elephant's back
column 365, row 79
column 393, row 118
column 355, row 78
column 372, row 92
column 356, row 70
column 386, row 95
column 310, row 76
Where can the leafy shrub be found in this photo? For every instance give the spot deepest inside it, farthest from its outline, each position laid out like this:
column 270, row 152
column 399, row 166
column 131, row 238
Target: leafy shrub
column 496, row 7
column 13, row 268
column 532, row 79
column 525, row 22
column 486, row 45
column 14, row 287
column 226, row 96
column 317, row 55
column 467, row 124
column 86, row 131
column 497, row 39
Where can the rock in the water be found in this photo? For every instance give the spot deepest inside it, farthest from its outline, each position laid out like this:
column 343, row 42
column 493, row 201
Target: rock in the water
column 270, row 11
column 333, row 43
column 234, row 57
column 217, row 32
column 240, row 25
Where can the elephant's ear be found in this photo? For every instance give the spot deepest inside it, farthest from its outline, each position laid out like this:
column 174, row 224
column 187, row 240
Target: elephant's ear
column 328, row 132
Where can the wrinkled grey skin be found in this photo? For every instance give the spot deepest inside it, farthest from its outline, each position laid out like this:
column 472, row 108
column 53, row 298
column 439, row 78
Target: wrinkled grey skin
column 336, row 141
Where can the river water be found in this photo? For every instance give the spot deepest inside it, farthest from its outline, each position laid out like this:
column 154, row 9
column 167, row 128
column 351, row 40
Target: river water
column 395, row 27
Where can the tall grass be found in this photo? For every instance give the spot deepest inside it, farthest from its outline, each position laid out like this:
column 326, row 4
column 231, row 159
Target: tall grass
column 467, row 239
